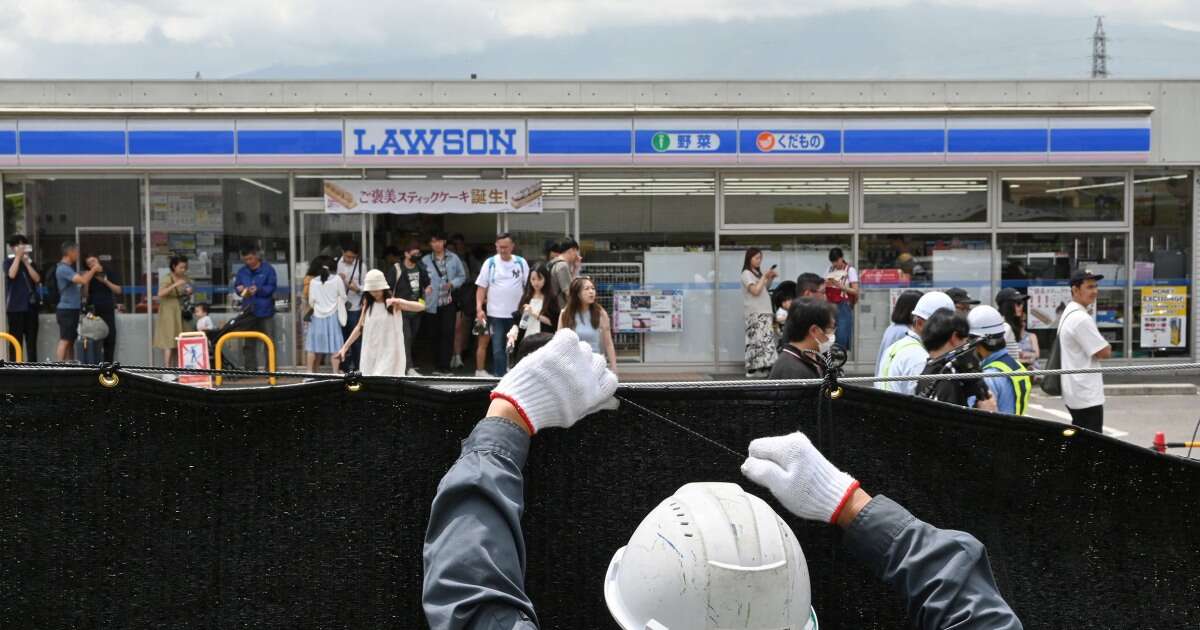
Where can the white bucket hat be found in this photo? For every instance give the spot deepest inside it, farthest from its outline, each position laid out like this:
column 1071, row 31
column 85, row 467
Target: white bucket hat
column 375, row 281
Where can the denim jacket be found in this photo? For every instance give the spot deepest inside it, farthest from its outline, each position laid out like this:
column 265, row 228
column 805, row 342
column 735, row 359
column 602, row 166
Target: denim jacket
column 456, row 274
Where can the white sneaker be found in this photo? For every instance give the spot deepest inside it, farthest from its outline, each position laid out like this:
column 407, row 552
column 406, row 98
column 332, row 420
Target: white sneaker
column 483, row 374
column 412, row 372
column 455, row 362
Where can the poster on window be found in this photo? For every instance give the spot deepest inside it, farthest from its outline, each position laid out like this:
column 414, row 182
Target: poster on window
column 648, row 311
column 1164, row 317
column 437, row 196
column 1045, row 305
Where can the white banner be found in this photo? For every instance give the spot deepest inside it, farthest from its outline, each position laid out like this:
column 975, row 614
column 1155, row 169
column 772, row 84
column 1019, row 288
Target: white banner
column 389, row 196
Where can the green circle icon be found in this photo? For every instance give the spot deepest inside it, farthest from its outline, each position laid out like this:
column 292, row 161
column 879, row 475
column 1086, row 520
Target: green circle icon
column 660, row 141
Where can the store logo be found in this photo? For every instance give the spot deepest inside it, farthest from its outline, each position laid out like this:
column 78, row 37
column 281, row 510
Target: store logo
column 789, row 141
column 436, row 142
column 685, row 142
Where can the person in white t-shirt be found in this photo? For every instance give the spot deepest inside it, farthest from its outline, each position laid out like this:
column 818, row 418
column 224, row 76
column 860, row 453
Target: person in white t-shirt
column 498, row 291
column 1082, row 346
column 841, row 288
column 756, row 308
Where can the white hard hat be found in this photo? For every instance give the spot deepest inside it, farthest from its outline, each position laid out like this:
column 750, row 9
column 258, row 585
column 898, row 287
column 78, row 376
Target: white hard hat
column 931, row 303
column 710, row 556
column 985, row 321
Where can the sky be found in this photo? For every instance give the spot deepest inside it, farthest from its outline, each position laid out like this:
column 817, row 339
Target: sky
column 609, row 39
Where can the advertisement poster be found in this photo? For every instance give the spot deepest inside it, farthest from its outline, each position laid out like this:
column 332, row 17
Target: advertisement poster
column 1045, row 305
column 642, row 311
column 433, row 196
column 1164, row 317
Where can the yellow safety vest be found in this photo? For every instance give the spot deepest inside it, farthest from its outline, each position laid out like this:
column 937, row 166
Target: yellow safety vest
column 1021, row 384
column 901, row 344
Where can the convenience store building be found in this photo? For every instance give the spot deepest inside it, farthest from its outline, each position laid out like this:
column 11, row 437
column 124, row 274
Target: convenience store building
column 974, row 184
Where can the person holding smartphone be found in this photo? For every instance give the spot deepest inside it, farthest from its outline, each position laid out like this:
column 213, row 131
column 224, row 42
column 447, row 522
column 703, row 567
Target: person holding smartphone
column 756, row 306
column 22, row 299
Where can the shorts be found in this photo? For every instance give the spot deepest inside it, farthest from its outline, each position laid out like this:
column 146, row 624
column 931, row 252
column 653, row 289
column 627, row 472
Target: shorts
column 68, row 323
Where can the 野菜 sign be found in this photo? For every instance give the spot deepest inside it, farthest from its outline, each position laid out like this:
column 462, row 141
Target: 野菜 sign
column 432, row 197
column 645, row 310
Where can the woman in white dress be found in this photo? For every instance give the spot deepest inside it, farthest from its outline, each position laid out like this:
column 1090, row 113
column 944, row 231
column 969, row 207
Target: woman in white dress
column 381, row 328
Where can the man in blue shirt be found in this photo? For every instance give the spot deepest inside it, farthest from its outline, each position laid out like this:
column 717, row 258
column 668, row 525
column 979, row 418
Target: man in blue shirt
column 1011, row 394
column 70, row 300
column 21, row 280
column 255, row 282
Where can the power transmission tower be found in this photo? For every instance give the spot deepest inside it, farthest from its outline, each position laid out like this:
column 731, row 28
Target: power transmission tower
column 1099, row 50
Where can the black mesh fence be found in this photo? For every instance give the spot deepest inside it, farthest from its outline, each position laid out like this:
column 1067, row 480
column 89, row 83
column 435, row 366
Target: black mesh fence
column 154, row 505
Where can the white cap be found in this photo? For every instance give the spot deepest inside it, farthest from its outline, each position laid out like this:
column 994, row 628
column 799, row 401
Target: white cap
column 985, row 321
column 931, row 303
column 710, row 556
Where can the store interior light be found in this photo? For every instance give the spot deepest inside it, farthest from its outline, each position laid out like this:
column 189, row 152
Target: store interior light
column 330, row 176
column 404, row 176
column 255, row 182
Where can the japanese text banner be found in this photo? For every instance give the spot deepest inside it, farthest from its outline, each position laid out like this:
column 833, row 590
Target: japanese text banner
column 433, row 196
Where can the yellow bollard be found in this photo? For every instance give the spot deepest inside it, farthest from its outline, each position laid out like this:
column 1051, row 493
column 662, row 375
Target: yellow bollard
column 15, row 344
column 250, row 334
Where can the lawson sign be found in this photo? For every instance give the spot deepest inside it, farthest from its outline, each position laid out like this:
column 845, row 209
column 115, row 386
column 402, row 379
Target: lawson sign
column 432, row 141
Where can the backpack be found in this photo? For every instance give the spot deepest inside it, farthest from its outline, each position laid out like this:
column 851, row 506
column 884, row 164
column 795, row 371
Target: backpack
column 50, row 281
column 491, row 265
column 1052, row 383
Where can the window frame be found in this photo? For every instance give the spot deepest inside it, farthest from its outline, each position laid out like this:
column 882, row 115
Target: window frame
column 987, row 175
column 852, row 191
column 1126, row 221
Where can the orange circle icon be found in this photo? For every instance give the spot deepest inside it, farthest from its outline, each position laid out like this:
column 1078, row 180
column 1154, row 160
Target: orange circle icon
column 765, row 141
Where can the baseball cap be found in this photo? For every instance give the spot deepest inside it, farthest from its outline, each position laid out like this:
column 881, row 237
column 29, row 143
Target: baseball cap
column 1080, row 275
column 932, row 302
column 960, row 296
column 1009, row 294
column 985, row 321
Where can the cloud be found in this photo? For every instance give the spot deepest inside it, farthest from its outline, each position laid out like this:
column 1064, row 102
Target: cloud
column 224, row 37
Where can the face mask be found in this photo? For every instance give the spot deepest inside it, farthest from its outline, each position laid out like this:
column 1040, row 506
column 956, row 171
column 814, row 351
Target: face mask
column 415, row 258
column 827, row 345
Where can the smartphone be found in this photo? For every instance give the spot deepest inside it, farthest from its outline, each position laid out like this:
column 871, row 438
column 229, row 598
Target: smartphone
column 774, row 267
column 29, row 249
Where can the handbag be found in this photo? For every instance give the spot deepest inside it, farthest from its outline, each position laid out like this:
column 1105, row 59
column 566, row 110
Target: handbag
column 92, row 327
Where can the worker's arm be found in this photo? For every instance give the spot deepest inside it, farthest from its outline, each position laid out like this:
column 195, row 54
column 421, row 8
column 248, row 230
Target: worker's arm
column 1104, row 353
column 943, row 575
column 474, row 547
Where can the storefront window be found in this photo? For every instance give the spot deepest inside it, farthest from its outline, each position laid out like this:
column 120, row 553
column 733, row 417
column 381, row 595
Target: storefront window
column 891, row 263
column 653, row 233
column 209, row 221
column 786, row 200
column 793, row 256
column 1162, row 255
column 1060, row 198
column 1040, row 265
column 105, row 216
column 925, row 199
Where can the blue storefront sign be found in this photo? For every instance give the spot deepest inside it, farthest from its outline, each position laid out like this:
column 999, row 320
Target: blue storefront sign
column 599, row 140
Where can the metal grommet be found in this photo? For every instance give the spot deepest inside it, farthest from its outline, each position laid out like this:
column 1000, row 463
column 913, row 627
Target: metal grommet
column 836, row 394
column 110, row 379
column 1068, row 432
column 353, row 387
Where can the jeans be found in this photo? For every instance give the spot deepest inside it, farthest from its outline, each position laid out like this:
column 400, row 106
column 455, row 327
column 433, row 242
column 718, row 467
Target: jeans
column 1091, row 418
column 498, row 327
column 351, row 362
column 412, row 324
column 264, row 325
column 845, row 325
column 443, row 322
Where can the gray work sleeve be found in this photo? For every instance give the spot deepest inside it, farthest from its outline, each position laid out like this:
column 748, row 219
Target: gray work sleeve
column 943, row 575
column 474, row 548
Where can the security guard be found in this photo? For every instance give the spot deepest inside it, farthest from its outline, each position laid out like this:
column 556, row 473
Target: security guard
column 1012, row 393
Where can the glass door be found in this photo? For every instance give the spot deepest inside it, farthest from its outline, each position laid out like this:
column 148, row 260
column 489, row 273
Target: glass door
column 534, row 233
column 320, row 234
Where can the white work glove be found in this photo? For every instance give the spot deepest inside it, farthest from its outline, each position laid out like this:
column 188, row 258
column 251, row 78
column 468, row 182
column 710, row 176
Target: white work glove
column 799, row 476
column 559, row 384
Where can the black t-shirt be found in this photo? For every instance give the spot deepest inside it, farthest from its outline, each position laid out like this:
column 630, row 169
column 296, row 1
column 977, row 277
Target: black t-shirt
column 99, row 294
column 797, row 364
